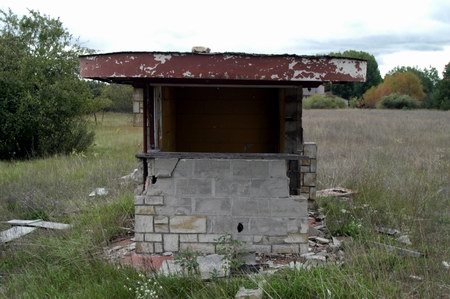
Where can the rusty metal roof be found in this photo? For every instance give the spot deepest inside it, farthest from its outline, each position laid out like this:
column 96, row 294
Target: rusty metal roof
column 221, row 68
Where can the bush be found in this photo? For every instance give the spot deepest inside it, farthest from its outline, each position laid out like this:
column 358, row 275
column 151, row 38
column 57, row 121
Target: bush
column 42, row 99
column 318, row 101
column 398, row 101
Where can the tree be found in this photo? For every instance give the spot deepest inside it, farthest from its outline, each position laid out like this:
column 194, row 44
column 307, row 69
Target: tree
column 428, row 77
column 406, row 83
column 357, row 89
column 121, row 97
column 441, row 97
column 42, row 99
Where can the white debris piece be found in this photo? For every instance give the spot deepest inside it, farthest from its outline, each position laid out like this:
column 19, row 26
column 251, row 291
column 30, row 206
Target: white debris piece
column 99, row 192
column 15, row 233
column 39, row 223
column 244, row 293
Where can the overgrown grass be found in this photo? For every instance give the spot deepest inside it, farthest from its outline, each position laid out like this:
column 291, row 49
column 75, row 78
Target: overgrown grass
column 398, row 161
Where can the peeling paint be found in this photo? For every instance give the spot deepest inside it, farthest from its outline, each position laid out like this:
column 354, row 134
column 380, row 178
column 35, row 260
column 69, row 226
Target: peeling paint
column 187, row 74
column 162, row 58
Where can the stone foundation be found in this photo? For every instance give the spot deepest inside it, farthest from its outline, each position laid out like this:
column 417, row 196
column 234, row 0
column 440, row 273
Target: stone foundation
column 190, row 203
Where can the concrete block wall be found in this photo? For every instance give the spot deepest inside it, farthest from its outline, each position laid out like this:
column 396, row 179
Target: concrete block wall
column 190, row 203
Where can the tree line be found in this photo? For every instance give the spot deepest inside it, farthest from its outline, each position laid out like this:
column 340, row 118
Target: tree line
column 402, row 87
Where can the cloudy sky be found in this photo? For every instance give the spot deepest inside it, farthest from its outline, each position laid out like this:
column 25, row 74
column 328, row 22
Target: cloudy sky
column 397, row 32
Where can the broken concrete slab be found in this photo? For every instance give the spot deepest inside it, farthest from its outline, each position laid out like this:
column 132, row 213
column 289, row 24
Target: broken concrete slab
column 15, row 233
column 99, row 192
column 213, row 265
column 335, row 192
column 404, row 239
column 244, row 293
column 388, row 231
column 398, row 250
column 39, row 223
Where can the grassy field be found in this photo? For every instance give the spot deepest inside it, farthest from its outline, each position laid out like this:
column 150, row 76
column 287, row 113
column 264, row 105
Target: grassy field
column 398, row 161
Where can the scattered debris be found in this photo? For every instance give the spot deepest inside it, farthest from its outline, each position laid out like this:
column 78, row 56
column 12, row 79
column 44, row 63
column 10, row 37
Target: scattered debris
column 15, row 233
column 388, row 231
column 24, row 227
column 244, row 293
column 404, row 239
column 40, row 223
column 131, row 177
column 398, row 250
column 446, row 265
column 212, row 265
column 342, row 193
column 414, row 277
column 319, row 240
column 99, row 192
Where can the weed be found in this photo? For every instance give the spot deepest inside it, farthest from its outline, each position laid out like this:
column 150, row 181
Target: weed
column 232, row 250
column 188, row 261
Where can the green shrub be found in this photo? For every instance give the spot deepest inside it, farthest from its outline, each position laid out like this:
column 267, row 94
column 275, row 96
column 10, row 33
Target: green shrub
column 398, row 101
column 318, row 101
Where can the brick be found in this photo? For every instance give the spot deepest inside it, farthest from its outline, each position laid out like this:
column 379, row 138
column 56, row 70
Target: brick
column 188, row 238
column 198, row 247
column 298, row 225
column 312, row 193
column 144, row 210
column 161, row 228
column 314, row 165
column 309, row 179
column 296, row 238
column 208, row 238
column 305, row 169
column 305, row 162
column 288, row 207
column 194, row 187
column 143, row 223
column 310, row 149
column 303, row 248
column 226, row 224
column 163, row 186
column 187, row 224
column 212, row 206
column 260, row 248
column 175, row 206
column 154, row 200
column 138, row 237
column 171, row 242
column 144, row 247
column 161, row 220
column 211, row 168
column 159, row 248
column 153, row 237
column 286, row 248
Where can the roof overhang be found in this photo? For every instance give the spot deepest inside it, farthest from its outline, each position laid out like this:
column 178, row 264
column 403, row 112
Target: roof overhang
column 138, row 68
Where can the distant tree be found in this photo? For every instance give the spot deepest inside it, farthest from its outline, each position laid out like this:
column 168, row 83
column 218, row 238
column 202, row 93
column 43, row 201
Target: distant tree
column 120, row 95
column 441, row 97
column 357, row 89
column 428, row 77
column 42, row 99
column 407, row 83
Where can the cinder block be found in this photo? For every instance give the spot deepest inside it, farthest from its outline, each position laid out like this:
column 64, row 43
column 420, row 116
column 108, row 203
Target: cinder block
column 226, row 224
column 250, row 207
column 260, row 248
column 288, row 207
column 298, row 225
column 154, row 200
column 305, row 169
column 305, row 162
column 269, row 188
column 309, row 179
column 250, row 168
column 198, row 247
column 232, row 187
column 208, row 238
column 144, row 210
column 139, row 199
column 184, row 169
column 212, row 168
column 143, row 223
column 153, row 237
column 144, row 247
column 197, row 187
column 303, row 248
column 187, row 224
column 163, row 186
column 174, row 205
column 277, row 168
column 312, row 193
column 268, row 226
column 161, row 220
column 164, row 167
column 171, row 242
column 310, row 149
column 212, row 206
column 296, row 238
column 286, row 248
column 188, row 238
column 161, row 228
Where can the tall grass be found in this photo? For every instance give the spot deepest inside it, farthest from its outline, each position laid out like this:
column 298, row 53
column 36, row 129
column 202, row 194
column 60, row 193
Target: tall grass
column 398, row 161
